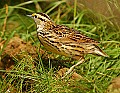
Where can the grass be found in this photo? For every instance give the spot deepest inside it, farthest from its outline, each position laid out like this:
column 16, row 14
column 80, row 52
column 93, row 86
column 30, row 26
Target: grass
column 29, row 74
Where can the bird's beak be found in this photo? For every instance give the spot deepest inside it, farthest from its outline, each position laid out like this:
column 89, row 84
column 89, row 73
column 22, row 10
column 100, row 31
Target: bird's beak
column 30, row 16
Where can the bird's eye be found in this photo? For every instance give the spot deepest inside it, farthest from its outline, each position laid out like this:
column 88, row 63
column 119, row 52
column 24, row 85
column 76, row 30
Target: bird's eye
column 35, row 16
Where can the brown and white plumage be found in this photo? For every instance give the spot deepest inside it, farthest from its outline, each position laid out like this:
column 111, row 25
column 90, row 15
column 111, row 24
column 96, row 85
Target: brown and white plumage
column 63, row 40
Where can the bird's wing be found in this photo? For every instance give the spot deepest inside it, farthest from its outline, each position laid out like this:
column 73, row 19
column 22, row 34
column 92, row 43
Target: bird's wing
column 66, row 34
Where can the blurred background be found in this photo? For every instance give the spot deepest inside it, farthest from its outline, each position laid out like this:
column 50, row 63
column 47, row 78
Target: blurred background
column 25, row 66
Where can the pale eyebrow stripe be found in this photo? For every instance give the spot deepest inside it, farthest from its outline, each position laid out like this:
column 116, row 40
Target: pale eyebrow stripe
column 43, row 17
column 42, row 14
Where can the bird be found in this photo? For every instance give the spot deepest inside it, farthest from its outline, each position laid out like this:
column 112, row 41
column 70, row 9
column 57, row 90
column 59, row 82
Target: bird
column 65, row 41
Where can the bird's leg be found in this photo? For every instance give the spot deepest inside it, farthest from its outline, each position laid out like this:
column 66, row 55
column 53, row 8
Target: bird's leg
column 81, row 60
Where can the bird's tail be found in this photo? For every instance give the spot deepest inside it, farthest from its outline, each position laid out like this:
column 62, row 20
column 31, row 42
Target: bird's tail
column 98, row 51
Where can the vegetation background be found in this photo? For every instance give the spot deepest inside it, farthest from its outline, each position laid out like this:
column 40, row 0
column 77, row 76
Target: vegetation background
column 26, row 67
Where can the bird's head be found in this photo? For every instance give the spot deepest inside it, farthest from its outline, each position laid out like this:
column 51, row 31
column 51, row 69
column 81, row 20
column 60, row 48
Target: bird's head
column 42, row 20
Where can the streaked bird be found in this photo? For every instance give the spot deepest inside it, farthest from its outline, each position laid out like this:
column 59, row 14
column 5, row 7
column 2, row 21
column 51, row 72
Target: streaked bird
column 63, row 40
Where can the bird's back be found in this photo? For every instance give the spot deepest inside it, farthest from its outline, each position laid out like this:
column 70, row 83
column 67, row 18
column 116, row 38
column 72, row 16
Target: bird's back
column 69, row 42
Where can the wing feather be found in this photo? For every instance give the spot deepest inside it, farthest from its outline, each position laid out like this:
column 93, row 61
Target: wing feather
column 71, row 35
